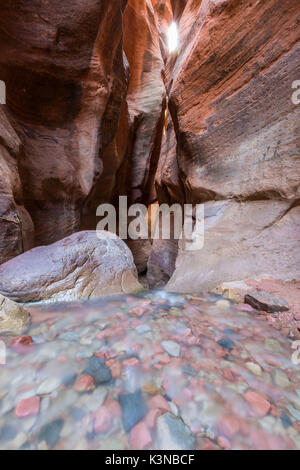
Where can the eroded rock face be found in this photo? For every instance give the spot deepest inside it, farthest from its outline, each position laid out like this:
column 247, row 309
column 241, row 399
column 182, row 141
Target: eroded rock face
column 16, row 227
column 66, row 78
column 81, row 266
column 242, row 240
column 14, row 319
column 234, row 142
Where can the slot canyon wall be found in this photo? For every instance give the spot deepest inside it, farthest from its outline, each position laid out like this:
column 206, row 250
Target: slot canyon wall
column 98, row 108
column 233, row 143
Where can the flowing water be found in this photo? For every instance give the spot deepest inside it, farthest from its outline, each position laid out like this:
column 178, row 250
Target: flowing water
column 153, row 371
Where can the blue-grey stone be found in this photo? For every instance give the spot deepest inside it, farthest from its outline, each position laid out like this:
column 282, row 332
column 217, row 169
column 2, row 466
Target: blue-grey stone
column 133, row 409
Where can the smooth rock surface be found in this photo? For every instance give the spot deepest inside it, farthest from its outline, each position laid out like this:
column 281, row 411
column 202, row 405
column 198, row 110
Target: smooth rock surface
column 78, row 267
column 232, row 141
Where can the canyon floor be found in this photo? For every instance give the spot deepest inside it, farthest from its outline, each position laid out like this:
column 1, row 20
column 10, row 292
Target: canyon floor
column 151, row 371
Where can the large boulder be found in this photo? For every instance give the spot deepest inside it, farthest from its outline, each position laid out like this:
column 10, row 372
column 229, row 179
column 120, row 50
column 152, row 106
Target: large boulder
column 80, row 266
column 14, row 319
column 233, row 142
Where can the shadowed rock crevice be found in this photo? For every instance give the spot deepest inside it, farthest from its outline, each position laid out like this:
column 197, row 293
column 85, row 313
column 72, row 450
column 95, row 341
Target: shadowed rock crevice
column 97, row 107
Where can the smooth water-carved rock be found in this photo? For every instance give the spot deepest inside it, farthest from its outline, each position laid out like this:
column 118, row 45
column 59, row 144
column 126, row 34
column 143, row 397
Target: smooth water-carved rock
column 235, row 139
column 253, row 240
column 78, row 267
column 14, row 319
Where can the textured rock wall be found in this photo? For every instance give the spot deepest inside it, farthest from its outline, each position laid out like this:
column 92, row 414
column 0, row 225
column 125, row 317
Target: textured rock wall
column 97, row 108
column 237, row 139
column 90, row 130
column 67, row 79
column 81, row 266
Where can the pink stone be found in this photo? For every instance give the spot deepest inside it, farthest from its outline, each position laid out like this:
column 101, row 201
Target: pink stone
column 140, row 437
column 152, row 416
column 27, row 407
column 103, row 419
column 115, row 409
column 258, row 402
column 158, row 401
column 85, row 383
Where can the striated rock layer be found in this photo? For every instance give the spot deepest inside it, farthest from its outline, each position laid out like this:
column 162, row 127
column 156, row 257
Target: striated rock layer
column 90, row 130
column 67, row 79
column 81, row 266
column 98, row 108
column 16, row 227
column 233, row 141
column 14, row 319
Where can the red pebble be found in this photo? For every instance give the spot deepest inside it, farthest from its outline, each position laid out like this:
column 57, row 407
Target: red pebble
column 137, row 311
column 224, row 443
column 152, row 416
column 158, row 401
column 258, row 402
column 23, row 340
column 27, row 407
column 140, row 437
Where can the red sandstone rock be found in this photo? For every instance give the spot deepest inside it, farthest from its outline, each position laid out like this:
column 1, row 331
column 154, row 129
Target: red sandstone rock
column 16, row 228
column 66, row 78
column 140, row 437
column 146, row 96
column 14, row 319
column 79, row 266
column 103, row 420
column 27, row 407
column 258, row 402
